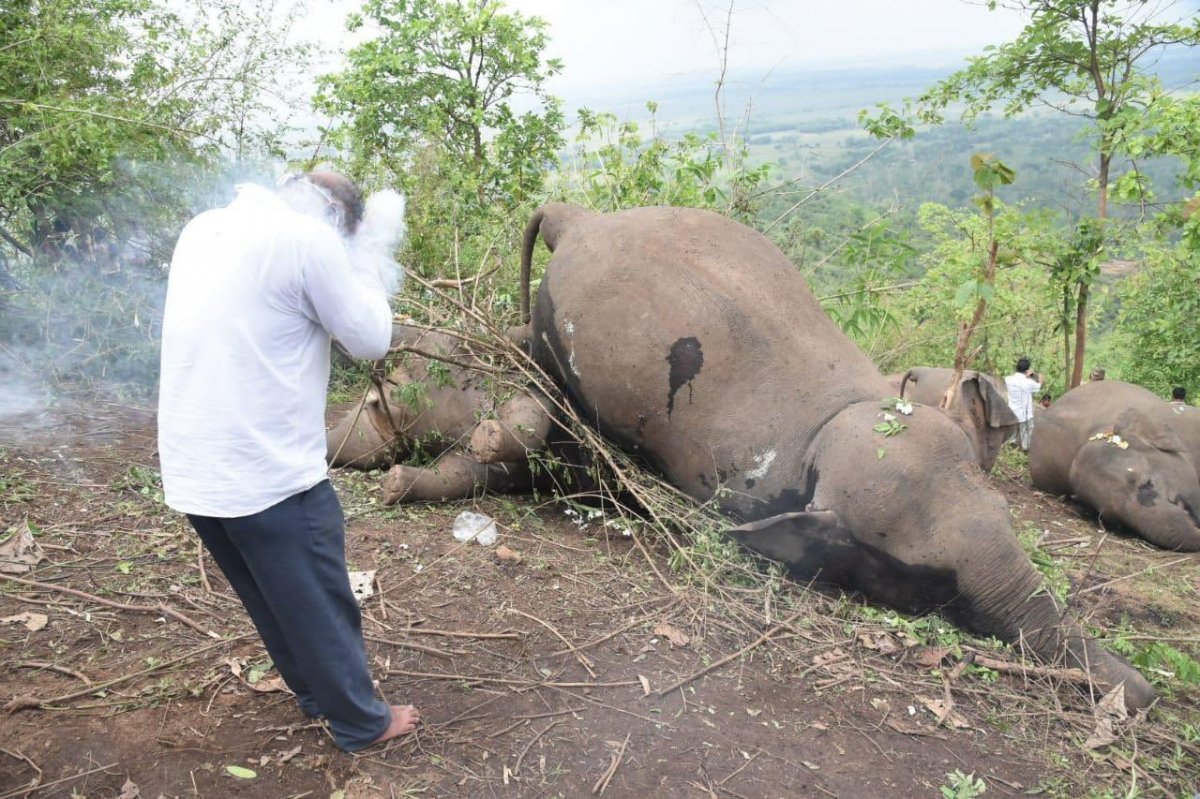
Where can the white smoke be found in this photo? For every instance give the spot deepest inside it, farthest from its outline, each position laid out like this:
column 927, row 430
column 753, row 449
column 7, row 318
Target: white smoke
column 310, row 199
column 373, row 246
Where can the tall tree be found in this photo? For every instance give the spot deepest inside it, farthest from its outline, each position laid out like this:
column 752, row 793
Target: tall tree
column 446, row 74
column 1087, row 58
column 101, row 99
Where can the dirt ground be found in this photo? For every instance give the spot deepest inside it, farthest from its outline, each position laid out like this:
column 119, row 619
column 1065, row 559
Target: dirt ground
column 579, row 670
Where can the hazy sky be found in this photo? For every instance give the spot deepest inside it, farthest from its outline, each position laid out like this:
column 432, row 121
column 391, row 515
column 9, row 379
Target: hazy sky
column 607, row 44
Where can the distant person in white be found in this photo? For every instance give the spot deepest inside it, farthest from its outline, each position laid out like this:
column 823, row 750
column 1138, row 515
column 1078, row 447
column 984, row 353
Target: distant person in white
column 256, row 291
column 1021, row 386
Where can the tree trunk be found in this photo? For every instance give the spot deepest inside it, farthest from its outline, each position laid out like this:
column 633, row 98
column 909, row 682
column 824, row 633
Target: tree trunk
column 1066, row 331
column 1081, row 306
column 967, row 329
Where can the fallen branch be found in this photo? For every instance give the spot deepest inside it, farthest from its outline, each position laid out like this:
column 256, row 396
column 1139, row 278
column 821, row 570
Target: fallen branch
column 1070, row 674
column 44, row 666
column 428, row 650
column 29, row 702
column 200, row 560
column 456, row 633
column 160, row 609
column 521, row 757
column 433, row 675
column 583, row 659
column 34, row 766
column 31, row 788
column 602, row 783
column 462, row 282
column 1146, row 570
column 758, row 641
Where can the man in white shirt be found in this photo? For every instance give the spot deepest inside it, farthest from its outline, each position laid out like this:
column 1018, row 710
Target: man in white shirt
column 256, row 291
column 1021, row 385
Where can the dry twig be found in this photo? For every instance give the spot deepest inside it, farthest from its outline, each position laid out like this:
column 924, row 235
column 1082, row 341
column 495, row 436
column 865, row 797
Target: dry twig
column 160, row 608
column 602, row 783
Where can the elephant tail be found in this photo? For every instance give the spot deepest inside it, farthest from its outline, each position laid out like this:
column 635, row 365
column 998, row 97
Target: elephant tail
column 904, row 381
column 550, row 222
column 527, row 244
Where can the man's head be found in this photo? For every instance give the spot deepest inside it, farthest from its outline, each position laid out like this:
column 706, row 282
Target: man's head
column 342, row 201
column 1178, row 394
column 1022, row 365
column 1097, row 374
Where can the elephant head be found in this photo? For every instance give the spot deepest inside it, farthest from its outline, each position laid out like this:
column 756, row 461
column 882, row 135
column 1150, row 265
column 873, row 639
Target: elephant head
column 1141, row 474
column 881, row 521
column 981, row 408
column 366, row 436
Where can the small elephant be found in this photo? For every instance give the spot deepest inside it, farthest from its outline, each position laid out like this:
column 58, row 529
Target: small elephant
column 980, row 409
column 1130, row 455
column 693, row 342
column 443, row 406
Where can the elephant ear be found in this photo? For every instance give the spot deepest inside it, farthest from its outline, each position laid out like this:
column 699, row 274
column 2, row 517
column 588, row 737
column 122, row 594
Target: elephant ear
column 996, row 411
column 1141, row 430
column 792, row 538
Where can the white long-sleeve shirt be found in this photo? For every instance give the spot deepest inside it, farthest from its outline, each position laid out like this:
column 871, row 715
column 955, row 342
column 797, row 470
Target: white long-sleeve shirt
column 255, row 291
column 1020, row 394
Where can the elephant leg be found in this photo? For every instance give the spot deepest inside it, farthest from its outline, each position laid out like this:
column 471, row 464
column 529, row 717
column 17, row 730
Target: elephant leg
column 454, row 476
column 522, row 424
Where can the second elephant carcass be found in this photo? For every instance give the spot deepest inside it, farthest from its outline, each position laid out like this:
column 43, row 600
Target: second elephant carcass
column 442, row 402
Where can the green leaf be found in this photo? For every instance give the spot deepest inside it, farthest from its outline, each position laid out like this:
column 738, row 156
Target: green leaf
column 242, row 773
column 124, row 567
column 879, row 453
column 965, row 292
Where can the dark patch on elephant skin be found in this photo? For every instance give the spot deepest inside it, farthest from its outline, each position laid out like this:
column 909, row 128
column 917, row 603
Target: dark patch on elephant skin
column 641, row 424
column 790, row 500
column 750, row 482
column 1146, row 495
column 686, row 360
column 836, row 558
column 704, row 481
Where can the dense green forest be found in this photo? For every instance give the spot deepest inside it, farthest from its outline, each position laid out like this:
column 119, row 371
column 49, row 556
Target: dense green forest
column 121, row 118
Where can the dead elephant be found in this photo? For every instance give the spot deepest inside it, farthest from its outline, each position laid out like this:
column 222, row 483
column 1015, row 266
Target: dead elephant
column 980, row 407
column 692, row 341
column 1123, row 451
column 446, row 407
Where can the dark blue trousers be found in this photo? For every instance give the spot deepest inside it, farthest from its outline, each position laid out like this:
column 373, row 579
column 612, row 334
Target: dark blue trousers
column 288, row 566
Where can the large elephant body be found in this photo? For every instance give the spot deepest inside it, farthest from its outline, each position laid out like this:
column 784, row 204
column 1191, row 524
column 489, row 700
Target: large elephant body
column 693, row 341
column 1130, row 455
column 980, row 405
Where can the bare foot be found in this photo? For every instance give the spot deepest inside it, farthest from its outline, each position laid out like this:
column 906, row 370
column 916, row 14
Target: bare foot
column 404, row 721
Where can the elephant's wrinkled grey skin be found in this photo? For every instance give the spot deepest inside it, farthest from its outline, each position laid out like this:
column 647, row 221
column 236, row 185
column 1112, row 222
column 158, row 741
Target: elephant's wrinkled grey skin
column 980, row 409
column 691, row 340
column 437, row 405
column 1147, row 479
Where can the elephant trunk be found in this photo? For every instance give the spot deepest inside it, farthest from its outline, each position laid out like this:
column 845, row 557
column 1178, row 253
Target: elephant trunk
column 1020, row 608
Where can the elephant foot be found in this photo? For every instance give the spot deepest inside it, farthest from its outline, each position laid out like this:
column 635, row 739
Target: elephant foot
column 490, row 443
column 522, row 425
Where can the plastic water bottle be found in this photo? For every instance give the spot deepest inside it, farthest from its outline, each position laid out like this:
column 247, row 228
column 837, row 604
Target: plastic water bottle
column 479, row 526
